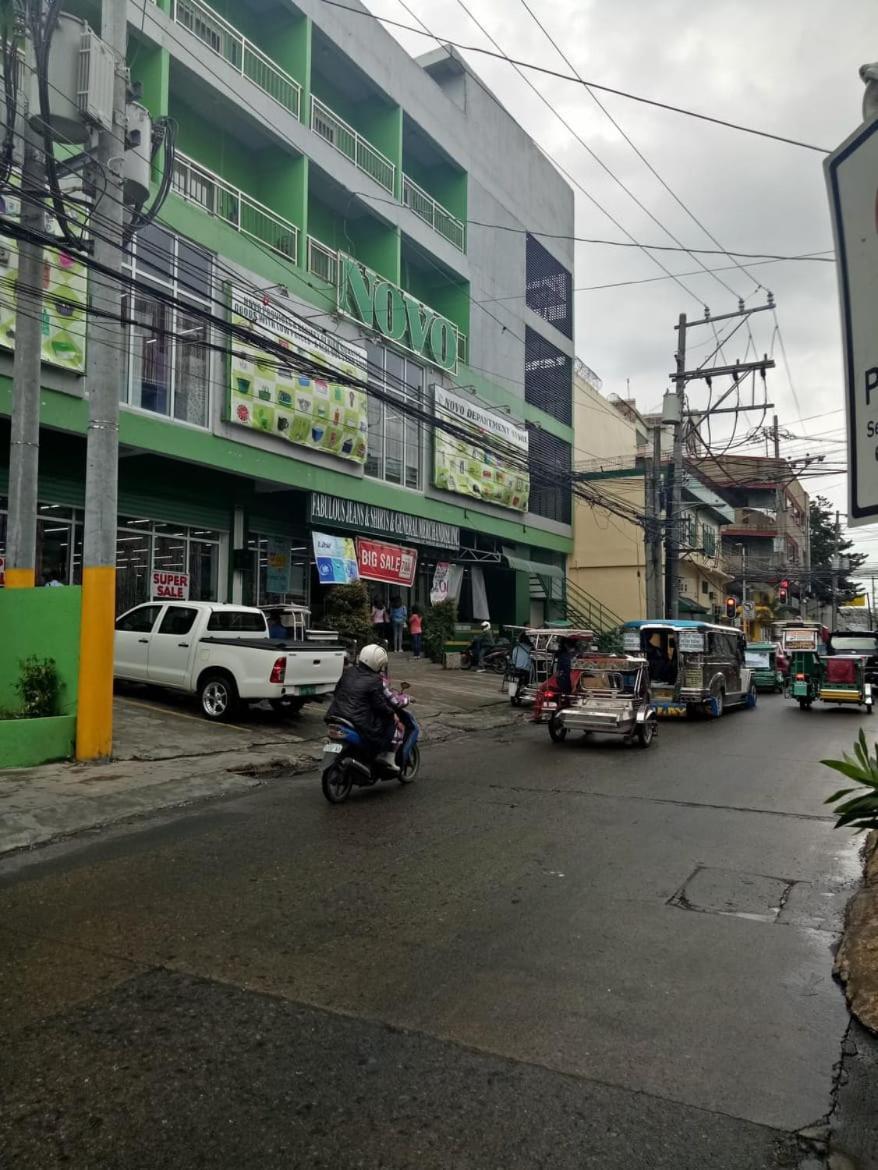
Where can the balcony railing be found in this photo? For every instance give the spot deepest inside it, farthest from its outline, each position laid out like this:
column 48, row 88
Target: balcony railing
column 461, row 347
column 214, row 195
column 225, row 40
column 322, row 261
column 348, row 142
column 430, row 211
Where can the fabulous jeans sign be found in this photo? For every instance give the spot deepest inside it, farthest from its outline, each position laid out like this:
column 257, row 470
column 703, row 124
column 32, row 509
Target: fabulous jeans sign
column 383, row 521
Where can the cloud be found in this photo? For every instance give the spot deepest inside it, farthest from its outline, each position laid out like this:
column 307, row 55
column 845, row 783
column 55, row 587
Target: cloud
column 788, row 67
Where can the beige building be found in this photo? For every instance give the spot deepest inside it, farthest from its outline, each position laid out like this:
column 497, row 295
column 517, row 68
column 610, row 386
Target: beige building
column 607, row 567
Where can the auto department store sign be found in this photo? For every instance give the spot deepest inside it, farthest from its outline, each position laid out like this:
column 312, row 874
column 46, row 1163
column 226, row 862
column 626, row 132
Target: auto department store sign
column 382, row 521
column 376, row 303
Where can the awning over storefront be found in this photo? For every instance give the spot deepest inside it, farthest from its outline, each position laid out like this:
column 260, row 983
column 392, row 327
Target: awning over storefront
column 525, row 566
column 686, row 606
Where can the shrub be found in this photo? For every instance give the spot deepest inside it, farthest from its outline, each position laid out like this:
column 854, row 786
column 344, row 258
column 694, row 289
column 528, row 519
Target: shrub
column 860, row 811
column 347, row 611
column 439, row 623
column 609, row 641
column 39, row 687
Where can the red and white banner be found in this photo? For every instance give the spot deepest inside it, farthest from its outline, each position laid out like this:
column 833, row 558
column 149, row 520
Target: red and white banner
column 169, row 586
column 386, row 562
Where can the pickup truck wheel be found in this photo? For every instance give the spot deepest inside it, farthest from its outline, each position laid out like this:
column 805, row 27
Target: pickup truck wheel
column 218, row 697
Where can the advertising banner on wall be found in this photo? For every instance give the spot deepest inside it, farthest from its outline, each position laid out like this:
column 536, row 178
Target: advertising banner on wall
column 64, row 288
column 491, row 465
column 277, row 565
column 169, row 586
column 268, row 396
column 336, row 559
column 390, row 563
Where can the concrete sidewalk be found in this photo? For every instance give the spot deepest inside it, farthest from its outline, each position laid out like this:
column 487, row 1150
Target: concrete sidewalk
column 166, row 754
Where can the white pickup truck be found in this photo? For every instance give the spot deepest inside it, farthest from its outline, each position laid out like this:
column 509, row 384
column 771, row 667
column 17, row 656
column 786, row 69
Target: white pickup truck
column 223, row 654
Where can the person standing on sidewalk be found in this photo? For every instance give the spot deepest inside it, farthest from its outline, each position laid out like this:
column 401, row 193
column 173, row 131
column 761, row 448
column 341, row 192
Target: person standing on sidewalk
column 398, row 615
column 416, row 629
column 379, row 620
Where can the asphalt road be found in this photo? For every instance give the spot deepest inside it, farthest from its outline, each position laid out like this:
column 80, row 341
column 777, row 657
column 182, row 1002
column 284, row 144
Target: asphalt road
column 536, row 956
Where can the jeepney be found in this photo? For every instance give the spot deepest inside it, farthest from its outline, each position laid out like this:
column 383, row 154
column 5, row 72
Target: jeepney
column 694, row 667
column 761, row 657
column 610, row 695
column 544, row 651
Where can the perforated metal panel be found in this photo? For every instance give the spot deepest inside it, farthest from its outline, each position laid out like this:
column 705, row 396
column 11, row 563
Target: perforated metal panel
column 549, row 459
column 548, row 378
column 549, row 289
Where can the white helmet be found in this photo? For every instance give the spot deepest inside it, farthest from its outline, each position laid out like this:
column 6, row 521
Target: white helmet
column 486, row 625
column 373, row 656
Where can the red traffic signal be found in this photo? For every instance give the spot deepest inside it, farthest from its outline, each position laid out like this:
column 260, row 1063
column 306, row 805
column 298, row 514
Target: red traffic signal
column 731, row 607
column 783, row 590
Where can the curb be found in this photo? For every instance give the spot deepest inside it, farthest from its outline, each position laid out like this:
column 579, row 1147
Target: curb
column 856, row 963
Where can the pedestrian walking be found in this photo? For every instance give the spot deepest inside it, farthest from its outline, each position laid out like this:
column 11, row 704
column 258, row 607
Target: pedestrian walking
column 398, row 615
column 379, row 620
column 416, row 629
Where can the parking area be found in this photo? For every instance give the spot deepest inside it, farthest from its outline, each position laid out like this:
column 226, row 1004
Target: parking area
column 151, row 724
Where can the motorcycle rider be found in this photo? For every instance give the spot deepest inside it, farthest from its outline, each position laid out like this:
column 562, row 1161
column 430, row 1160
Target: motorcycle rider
column 479, row 647
column 362, row 699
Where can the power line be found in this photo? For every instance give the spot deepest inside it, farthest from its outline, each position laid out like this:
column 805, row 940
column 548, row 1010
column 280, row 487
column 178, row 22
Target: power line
column 567, row 77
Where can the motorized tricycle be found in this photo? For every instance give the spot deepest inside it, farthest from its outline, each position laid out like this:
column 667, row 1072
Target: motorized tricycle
column 839, row 678
column 762, row 659
column 610, row 694
column 544, row 646
column 348, row 762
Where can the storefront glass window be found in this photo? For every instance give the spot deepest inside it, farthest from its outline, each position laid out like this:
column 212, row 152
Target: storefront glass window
column 168, row 346
column 259, row 592
column 395, row 437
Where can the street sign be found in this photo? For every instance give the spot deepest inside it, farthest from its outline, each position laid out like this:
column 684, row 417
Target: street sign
column 748, row 609
column 852, row 180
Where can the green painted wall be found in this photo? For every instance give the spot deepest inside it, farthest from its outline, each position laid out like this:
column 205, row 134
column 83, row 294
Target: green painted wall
column 445, row 183
column 150, row 65
column 44, row 623
column 163, row 437
column 377, row 245
column 25, row 743
column 435, row 288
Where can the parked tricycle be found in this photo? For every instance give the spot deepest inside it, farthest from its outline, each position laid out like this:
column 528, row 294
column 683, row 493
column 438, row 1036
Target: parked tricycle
column 610, row 694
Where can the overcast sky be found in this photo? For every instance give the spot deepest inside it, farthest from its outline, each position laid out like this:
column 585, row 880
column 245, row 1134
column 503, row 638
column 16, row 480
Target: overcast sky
column 789, row 67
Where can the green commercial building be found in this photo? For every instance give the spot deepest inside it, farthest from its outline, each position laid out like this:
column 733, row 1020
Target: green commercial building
column 368, row 212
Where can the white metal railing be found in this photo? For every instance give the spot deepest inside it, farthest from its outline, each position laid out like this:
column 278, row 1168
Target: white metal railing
column 348, row 142
column 198, row 185
column 225, row 40
column 461, row 347
column 322, row 261
column 432, row 212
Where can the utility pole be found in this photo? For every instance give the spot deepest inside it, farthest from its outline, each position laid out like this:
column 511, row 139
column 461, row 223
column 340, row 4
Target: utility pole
column 835, row 562
column 94, row 726
column 776, row 436
column 24, row 446
column 675, row 495
column 682, row 377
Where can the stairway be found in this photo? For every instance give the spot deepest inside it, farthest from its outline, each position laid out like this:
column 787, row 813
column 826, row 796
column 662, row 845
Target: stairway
column 581, row 609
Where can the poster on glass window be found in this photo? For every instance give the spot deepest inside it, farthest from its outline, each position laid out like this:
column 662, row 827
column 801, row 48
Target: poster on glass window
column 64, row 289
column 267, row 395
column 487, row 459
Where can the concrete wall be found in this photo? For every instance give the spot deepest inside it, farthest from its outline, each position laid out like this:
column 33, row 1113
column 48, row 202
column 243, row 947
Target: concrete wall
column 608, row 559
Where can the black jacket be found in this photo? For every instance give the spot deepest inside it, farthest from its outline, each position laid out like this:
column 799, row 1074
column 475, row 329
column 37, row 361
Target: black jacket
column 359, row 697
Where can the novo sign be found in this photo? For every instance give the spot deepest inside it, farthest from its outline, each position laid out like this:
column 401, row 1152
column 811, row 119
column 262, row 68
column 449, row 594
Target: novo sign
column 380, row 305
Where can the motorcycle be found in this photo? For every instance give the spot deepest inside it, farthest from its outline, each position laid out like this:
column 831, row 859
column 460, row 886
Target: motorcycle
column 348, row 762
column 494, row 660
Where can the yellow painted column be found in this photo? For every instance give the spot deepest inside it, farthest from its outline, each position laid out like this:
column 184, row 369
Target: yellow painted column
column 94, row 722
column 21, row 578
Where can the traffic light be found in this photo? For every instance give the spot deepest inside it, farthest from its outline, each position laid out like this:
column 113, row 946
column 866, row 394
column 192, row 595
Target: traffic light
column 731, row 608
column 783, row 590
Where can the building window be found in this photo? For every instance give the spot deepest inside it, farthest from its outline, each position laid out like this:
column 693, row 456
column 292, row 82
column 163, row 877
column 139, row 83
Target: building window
column 257, row 587
column 548, row 378
column 143, row 546
column 549, row 464
column 168, row 346
column 549, row 289
column 394, row 450
column 708, row 540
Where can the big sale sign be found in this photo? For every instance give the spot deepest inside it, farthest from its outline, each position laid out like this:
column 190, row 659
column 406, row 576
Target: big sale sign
column 386, row 562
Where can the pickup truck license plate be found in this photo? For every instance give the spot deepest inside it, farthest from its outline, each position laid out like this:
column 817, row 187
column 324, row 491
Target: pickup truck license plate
column 310, row 689
column 334, row 748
